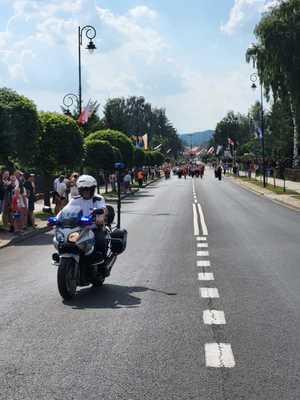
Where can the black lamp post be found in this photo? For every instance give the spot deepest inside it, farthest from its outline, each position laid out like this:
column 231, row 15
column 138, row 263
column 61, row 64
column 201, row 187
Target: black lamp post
column 90, row 33
column 68, row 102
column 254, row 78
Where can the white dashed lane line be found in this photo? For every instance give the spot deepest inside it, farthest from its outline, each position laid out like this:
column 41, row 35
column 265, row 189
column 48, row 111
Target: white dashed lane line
column 203, row 263
column 219, row 355
column 202, row 253
column 203, row 245
column 214, row 317
column 209, row 293
column 206, row 276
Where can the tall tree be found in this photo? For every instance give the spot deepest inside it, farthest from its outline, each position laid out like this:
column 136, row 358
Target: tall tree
column 19, row 127
column 59, row 146
column 277, row 58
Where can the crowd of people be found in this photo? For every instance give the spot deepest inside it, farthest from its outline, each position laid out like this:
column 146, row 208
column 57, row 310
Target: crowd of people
column 17, row 198
column 134, row 175
column 65, row 188
column 18, row 193
column 185, row 170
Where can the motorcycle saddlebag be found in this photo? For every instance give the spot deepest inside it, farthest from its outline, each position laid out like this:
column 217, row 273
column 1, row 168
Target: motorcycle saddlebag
column 118, row 241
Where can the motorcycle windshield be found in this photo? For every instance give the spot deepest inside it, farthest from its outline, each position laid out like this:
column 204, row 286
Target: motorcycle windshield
column 69, row 217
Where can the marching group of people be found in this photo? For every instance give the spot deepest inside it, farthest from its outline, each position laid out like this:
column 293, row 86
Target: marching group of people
column 185, row 170
column 17, row 198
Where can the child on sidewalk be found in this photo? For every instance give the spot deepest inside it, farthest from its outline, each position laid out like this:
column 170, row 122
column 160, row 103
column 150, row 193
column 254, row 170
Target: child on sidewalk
column 19, row 209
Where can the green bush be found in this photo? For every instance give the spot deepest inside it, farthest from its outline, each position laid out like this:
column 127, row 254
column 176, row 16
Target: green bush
column 18, row 127
column 116, row 139
column 59, row 145
column 99, row 154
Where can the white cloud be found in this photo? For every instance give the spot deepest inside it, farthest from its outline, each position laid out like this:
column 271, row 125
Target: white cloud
column 244, row 11
column 208, row 98
column 142, row 39
column 38, row 57
column 142, row 11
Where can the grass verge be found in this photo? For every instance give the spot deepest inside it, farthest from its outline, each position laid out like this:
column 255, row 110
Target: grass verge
column 269, row 186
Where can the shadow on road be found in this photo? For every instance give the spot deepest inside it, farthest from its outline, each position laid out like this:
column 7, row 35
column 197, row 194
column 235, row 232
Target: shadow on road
column 41, row 239
column 111, row 296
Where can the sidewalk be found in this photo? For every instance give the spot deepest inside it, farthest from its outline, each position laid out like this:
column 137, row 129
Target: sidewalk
column 288, row 200
column 7, row 238
column 291, row 185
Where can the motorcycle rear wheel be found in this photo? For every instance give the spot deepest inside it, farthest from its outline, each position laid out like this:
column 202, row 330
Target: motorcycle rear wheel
column 66, row 279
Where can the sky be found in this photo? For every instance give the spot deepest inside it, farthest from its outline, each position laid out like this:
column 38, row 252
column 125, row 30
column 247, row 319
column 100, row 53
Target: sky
column 185, row 56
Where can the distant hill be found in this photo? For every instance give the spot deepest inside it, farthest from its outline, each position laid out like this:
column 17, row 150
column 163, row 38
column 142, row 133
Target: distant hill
column 198, row 138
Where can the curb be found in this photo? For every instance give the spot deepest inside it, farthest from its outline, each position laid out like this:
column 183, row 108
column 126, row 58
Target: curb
column 19, row 239
column 115, row 199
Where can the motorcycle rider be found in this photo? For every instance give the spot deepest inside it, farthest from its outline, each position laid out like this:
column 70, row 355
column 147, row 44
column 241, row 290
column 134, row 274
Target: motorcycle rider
column 88, row 202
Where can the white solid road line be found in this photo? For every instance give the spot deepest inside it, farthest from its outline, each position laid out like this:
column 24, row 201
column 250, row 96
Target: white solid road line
column 196, row 226
column 203, row 263
column 214, row 317
column 201, row 239
column 219, row 355
column 202, row 220
column 202, row 253
column 209, row 293
column 206, row 276
column 202, row 245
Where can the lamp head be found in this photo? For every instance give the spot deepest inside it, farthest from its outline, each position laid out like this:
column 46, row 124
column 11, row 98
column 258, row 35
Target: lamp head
column 67, row 112
column 91, row 47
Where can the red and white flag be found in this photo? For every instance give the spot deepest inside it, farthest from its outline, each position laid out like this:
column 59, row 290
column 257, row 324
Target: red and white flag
column 87, row 112
column 230, row 142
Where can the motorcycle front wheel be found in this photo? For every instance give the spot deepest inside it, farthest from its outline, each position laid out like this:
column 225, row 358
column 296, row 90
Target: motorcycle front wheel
column 66, row 279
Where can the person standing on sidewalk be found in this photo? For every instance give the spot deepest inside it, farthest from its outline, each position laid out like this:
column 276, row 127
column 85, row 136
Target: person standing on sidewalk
column 2, row 193
column 61, row 197
column 127, row 180
column 30, row 189
column 140, row 177
column 73, row 184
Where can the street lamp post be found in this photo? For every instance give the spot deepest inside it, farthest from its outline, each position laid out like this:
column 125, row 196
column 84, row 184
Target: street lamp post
column 68, row 102
column 254, row 78
column 90, row 33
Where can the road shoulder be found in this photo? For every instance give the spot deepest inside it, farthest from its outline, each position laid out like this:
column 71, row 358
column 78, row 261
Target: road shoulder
column 287, row 200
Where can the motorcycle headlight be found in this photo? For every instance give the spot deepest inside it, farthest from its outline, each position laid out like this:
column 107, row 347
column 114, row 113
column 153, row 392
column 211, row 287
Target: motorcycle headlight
column 73, row 237
column 59, row 236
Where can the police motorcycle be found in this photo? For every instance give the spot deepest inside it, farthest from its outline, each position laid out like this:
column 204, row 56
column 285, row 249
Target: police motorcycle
column 78, row 262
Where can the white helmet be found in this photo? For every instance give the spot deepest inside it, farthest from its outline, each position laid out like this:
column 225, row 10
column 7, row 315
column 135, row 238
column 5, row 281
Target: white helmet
column 86, row 182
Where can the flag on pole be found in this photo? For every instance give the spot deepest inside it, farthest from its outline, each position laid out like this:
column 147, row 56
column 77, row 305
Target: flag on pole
column 230, row 142
column 258, row 133
column 145, row 140
column 87, row 111
column 211, row 150
column 84, row 115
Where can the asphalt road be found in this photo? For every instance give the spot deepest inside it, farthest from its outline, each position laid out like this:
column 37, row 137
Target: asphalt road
column 147, row 333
